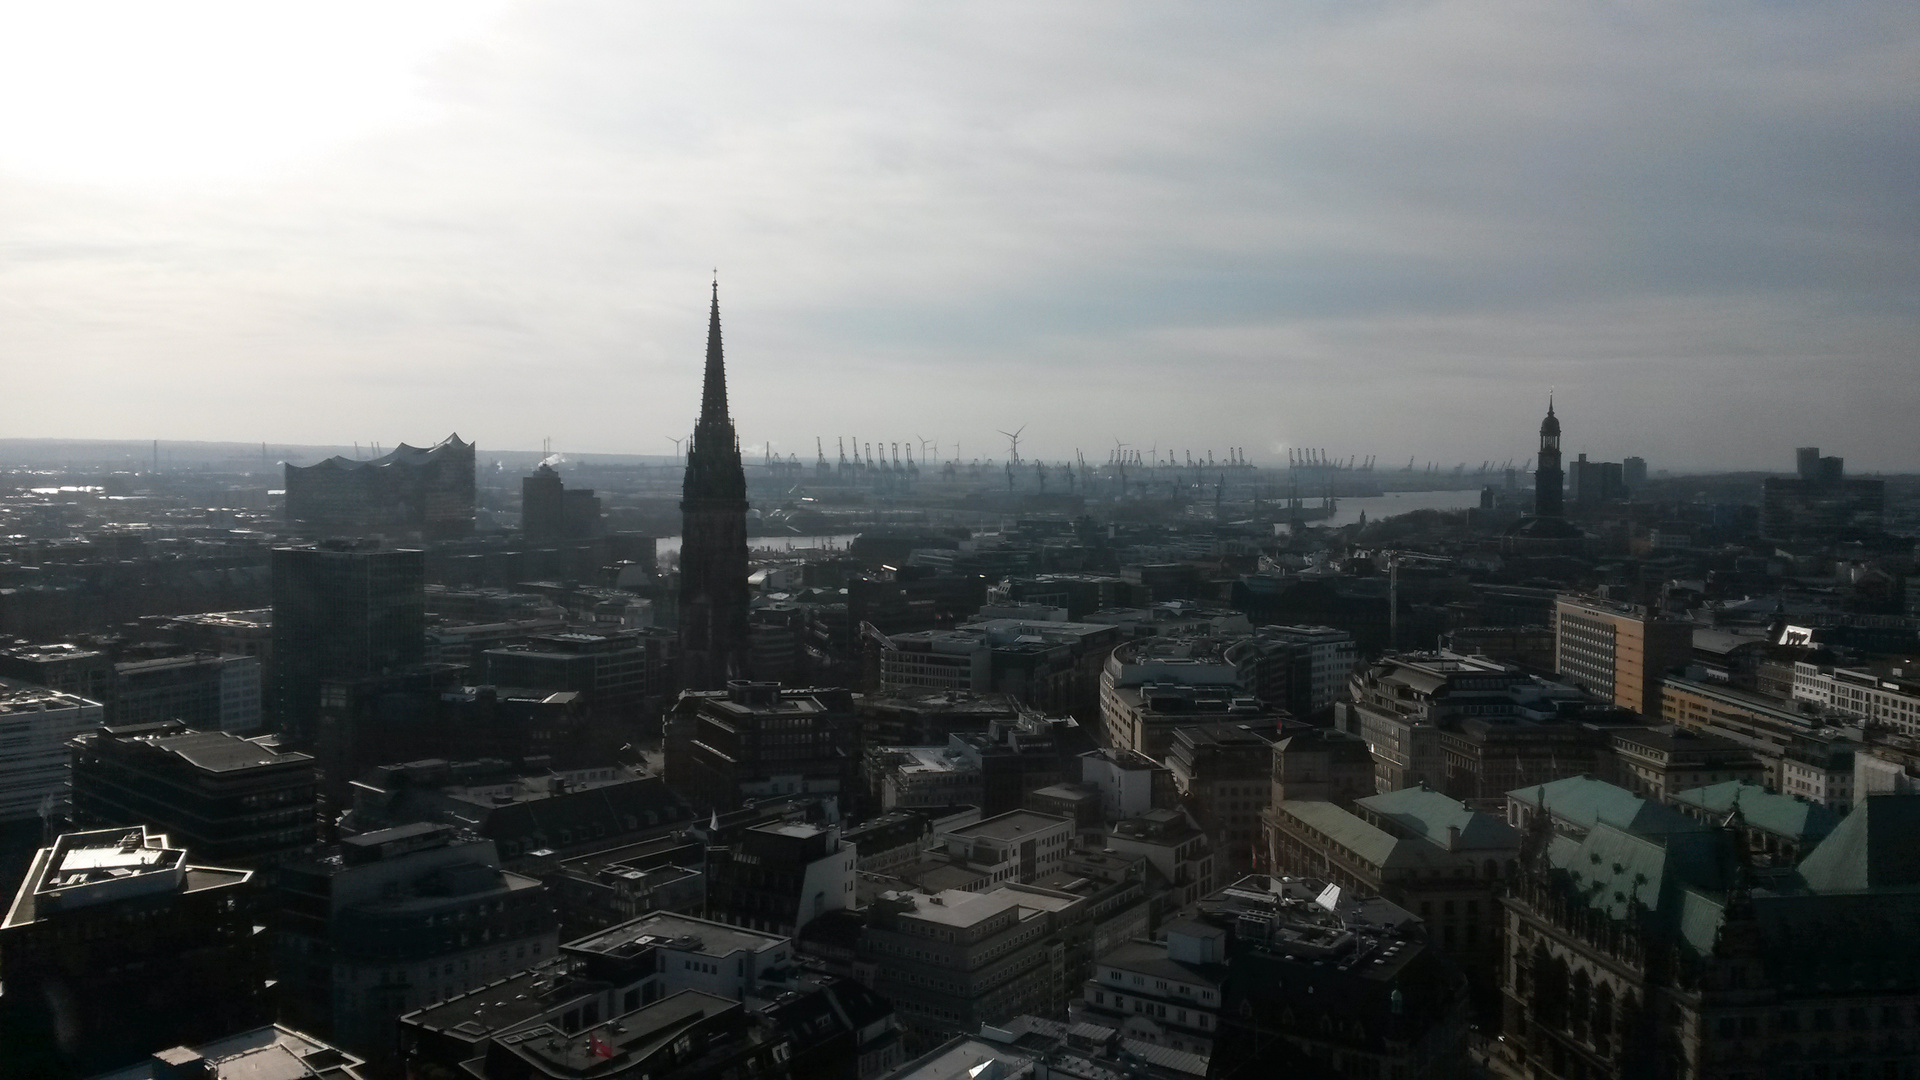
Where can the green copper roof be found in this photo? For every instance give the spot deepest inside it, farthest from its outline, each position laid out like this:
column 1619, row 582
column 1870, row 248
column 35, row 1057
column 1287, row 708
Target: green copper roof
column 1586, row 802
column 1427, row 813
column 1782, row 815
column 1679, row 879
column 1876, row 847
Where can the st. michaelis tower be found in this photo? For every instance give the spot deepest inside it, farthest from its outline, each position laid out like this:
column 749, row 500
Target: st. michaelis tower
column 713, row 537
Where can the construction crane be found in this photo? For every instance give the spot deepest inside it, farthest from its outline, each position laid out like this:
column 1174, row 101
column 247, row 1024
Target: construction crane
column 1394, row 559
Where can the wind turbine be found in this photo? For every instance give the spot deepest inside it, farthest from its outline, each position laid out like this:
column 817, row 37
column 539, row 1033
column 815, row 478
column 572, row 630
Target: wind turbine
column 1014, row 436
column 676, row 446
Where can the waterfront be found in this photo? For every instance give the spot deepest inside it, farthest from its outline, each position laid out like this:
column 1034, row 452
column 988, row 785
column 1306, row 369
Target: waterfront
column 1348, row 511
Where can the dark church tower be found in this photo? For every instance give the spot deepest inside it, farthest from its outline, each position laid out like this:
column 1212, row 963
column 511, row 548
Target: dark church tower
column 1547, row 479
column 713, row 537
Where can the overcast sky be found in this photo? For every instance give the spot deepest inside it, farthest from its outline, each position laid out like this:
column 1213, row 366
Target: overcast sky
column 1377, row 228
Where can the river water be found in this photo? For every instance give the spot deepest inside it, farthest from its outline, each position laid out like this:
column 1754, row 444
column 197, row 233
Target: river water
column 1348, row 511
column 670, row 545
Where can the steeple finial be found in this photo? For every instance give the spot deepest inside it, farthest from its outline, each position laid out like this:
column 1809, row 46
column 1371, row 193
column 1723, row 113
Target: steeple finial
column 716, row 293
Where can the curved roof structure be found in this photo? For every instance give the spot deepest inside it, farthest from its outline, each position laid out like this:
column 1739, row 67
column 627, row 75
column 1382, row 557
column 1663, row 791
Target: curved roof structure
column 399, row 455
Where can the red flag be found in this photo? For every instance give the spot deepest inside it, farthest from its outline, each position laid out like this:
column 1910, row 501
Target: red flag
column 601, row 1048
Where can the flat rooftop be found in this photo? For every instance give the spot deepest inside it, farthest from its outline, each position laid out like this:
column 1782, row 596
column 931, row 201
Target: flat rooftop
column 1012, row 825
column 925, row 759
column 636, row 1035
column 21, row 698
column 959, row 909
column 798, row 830
column 683, row 933
column 504, row 1002
column 219, row 751
column 104, row 865
column 268, row 1053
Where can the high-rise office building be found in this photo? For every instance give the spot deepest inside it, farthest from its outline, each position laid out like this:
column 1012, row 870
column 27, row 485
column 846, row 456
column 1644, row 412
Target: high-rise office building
column 1594, row 482
column 549, row 510
column 229, row 799
column 618, row 673
column 35, row 725
column 1821, row 503
column 1618, row 652
column 714, row 638
column 204, row 691
column 341, row 613
column 1634, row 472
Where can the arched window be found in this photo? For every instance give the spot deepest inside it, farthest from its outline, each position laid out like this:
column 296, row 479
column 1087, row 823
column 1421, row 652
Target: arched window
column 1550, row 989
column 1603, row 1018
column 1579, row 1004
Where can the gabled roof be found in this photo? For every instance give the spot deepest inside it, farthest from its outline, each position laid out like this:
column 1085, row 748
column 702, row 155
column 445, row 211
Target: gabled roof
column 1427, row 813
column 1375, row 846
column 1585, row 802
column 1876, row 847
column 1782, row 815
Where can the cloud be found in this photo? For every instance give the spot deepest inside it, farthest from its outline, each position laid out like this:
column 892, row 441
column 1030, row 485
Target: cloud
column 1379, row 227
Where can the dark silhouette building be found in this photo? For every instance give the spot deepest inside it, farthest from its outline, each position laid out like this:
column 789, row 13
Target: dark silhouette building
column 756, row 740
column 1597, row 482
column 714, row 640
column 341, row 614
column 621, row 674
column 411, row 490
column 1547, row 532
column 115, row 947
column 550, row 511
column 393, row 920
column 1548, row 483
column 1821, row 503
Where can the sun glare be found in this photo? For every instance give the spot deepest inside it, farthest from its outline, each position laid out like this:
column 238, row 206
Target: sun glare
column 148, row 94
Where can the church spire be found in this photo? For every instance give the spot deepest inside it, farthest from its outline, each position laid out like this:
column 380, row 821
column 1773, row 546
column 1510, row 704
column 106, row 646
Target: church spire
column 714, row 643
column 713, row 394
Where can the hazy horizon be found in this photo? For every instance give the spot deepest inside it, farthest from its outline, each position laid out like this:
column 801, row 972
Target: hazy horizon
column 136, row 454
column 1385, row 229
